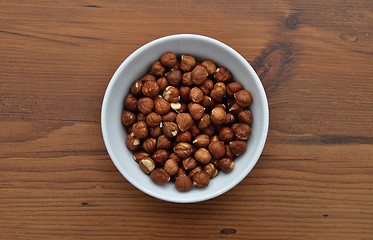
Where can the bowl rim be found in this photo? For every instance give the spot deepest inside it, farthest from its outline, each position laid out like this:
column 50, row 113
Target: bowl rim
column 260, row 143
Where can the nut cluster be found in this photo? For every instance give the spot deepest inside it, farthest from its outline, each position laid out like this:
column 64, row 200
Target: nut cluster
column 186, row 120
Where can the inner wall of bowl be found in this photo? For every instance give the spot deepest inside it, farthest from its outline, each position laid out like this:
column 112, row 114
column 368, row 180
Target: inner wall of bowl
column 138, row 64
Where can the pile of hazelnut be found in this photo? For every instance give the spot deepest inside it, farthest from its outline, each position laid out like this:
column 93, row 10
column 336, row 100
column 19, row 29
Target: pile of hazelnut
column 186, row 120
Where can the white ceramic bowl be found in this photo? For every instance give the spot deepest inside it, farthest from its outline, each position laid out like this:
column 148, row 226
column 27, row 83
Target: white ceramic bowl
column 137, row 65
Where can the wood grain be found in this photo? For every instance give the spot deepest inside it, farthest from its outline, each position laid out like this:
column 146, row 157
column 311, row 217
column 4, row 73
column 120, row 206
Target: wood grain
column 313, row 181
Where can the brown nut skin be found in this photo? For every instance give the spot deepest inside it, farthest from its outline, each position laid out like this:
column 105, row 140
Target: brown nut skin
column 222, row 74
column 218, row 93
column 201, row 141
column 169, row 117
column 211, row 170
column 221, row 105
column 171, row 167
column 226, row 134
column 149, row 145
column 210, row 130
column 162, row 83
column 183, row 149
column 155, row 132
column 238, row 147
column 215, row 162
column 147, row 165
column 145, row 105
column 180, row 172
column 183, row 183
column 194, row 171
column 157, row 69
column 206, row 86
column 141, row 117
column 187, row 79
column 170, row 129
column 140, row 155
column 210, row 66
column 136, row 87
column 175, row 157
column 159, row 176
column 195, row 130
column 196, row 95
column 207, row 102
column 218, row 116
column 130, row 102
column 205, row 121
column 245, row 116
column 196, row 111
column 148, row 77
column 187, row 63
column 242, row 130
column 153, row 119
column 243, row 98
column 203, row 156
column 201, row 179
column 164, row 142
column 226, row 165
column 169, row 59
column 184, row 121
column 140, row 129
column 235, row 108
column 184, row 137
column 229, row 119
column 199, row 74
column 184, row 93
column 228, row 152
column 214, row 138
column 171, row 94
column 233, row 87
column 176, row 66
column 189, row 163
column 174, row 77
column 160, row 156
column 217, row 149
column 128, row 118
column 133, row 143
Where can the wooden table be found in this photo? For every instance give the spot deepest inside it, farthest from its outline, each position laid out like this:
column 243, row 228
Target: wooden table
column 313, row 181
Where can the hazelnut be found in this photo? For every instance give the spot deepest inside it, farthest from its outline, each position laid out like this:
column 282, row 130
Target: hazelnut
column 159, row 176
column 184, row 136
column 133, row 143
column 201, row 141
column 140, row 129
column 169, row 117
column 180, row 172
column 187, row 79
column 207, row 102
column 215, row 162
column 211, row 170
column 149, row 145
column 210, row 66
column 187, row 63
column 136, row 87
column 184, row 121
column 196, row 111
column 171, row 167
column 226, row 134
column 176, row 66
column 130, row 102
column 195, row 130
column 201, row 179
column 176, row 106
column 163, row 142
column 183, row 149
column 199, row 74
column 183, row 183
column 170, row 129
column 194, row 171
column 228, row 152
column 189, row 163
column 140, row 155
column 161, row 106
column 245, row 116
column 235, row 108
column 148, row 77
column 203, row 156
column 162, row 84
column 145, row 105
column 214, row 138
column 210, row 130
column 184, row 93
column 217, row 149
column 229, row 119
column 233, row 87
column 128, row 118
column 155, row 132
column 218, row 116
column 175, row 157
column 243, row 98
column 242, row 130
column 226, row 165
column 222, row 75
column 157, row 69
column 206, row 86
column 171, row 94
column 218, row 93
column 160, row 156
column 153, row 119
column 205, row 121
column 169, row 59
column 196, row 95
column 222, row 106
column 147, row 165
column 174, row 77
column 238, row 147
